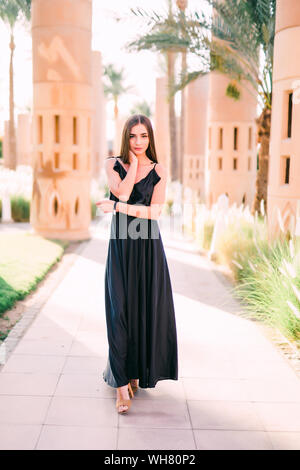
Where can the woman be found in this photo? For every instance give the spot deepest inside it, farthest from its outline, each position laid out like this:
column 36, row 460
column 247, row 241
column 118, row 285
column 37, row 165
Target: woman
column 140, row 315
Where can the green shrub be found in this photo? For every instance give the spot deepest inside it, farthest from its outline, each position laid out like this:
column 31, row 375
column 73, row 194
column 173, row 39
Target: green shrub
column 20, row 209
column 93, row 209
column 207, row 235
column 267, row 275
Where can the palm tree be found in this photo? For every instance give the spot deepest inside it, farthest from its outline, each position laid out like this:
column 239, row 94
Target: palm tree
column 240, row 41
column 182, row 5
column 10, row 13
column 141, row 108
column 243, row 31
column 155, row 40
column 115, row 88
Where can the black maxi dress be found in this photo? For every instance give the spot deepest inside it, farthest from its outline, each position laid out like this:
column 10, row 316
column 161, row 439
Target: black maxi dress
column 140, row 316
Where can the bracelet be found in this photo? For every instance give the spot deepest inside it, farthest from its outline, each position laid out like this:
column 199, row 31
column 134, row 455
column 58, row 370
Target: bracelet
column 115, row 204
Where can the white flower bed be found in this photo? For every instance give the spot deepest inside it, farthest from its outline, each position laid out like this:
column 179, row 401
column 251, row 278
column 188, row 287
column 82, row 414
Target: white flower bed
column 16, row 183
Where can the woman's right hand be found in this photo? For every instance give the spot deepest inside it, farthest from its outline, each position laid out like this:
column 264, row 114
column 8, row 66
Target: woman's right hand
column 132, row 157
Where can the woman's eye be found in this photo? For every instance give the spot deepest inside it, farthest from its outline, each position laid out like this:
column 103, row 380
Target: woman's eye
column 145, row 136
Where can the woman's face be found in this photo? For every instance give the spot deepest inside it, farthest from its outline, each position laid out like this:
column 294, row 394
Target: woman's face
column 138, row 139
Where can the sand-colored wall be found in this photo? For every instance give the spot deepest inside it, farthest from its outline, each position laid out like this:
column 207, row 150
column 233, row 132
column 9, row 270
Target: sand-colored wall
column 161, row 123
column 99, row 139
column 226, row 113
column 119, row 126
column 62, row 112
column 284, row 198
column 24, row 139
column 196, row 135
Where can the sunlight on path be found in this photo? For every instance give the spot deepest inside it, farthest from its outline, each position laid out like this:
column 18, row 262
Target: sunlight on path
column 235, row 391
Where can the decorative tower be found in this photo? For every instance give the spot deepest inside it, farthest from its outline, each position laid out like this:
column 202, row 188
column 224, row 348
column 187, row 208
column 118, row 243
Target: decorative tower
column 231, row 163
column 161, row 127
column 62, row 112
column 99, row 140
column 284, row 167
column 23, row 139
column 196, row 135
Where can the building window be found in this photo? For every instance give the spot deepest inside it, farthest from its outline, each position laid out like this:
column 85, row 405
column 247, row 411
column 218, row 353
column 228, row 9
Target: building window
column 75, row 161
column 56, row 161
column 250, row 138
column 40, row 129
column 249, row 163
column 55, row 206
column 220, row 138
column 75, row 130
column 235, row 163
column 290, row 115
column 191, row 163
column 56, row 129
column 220, row 162
column 285, row 169
column 197, row 163
column 235, row 138
column 76, row 208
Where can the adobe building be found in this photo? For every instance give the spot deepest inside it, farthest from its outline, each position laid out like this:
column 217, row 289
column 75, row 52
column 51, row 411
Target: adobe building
column 284, row 165
column 232, row 154
column 99, row 142
column 62, row 112
column 24, row 139
column 161, row 123
column 5, row 145
column 119, row 126
column 196, row 136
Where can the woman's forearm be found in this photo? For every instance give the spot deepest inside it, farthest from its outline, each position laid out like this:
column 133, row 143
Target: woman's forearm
column 126, row 185
column 143, row 212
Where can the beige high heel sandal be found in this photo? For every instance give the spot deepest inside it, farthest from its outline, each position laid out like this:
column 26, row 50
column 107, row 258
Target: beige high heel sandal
column 134, row 387
column 124, row 402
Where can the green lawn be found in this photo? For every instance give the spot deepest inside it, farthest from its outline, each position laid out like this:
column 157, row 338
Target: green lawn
column 24, row 261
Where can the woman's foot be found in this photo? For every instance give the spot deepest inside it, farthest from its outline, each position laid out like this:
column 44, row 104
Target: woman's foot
column 123, row 394
column 134, row 384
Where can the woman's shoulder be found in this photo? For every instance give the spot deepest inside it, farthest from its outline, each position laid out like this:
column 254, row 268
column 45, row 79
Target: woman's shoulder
column 109, row 163
column 110, row 159
column 161, row 170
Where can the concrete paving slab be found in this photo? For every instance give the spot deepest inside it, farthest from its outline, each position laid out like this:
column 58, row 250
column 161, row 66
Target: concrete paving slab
column 235, row 390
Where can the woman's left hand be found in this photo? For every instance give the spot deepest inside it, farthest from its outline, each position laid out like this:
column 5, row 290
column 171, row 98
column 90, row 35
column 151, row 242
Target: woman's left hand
column 107, row 205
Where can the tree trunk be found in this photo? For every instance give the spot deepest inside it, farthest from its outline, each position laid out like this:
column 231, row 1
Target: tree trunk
column 12, row 133
column 263, row 132
column 116, row 109
column 172, row 119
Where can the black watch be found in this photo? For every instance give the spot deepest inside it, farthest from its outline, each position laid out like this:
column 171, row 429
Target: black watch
column 114, row 211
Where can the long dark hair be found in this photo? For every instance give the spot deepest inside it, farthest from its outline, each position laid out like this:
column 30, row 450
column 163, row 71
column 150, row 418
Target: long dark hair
column 129, row 124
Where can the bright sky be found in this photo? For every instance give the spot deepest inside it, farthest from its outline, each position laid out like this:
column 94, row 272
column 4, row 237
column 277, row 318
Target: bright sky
column 109, row 37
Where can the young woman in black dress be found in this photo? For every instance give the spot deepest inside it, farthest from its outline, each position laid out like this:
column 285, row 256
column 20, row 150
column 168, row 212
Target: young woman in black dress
column 140, row 317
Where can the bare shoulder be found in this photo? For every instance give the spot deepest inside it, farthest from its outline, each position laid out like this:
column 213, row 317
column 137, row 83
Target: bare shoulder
column 109, row 162
column 161, row 170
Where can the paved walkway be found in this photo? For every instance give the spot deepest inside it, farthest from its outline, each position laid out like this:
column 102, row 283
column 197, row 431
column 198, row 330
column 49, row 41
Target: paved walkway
column 235, row 390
